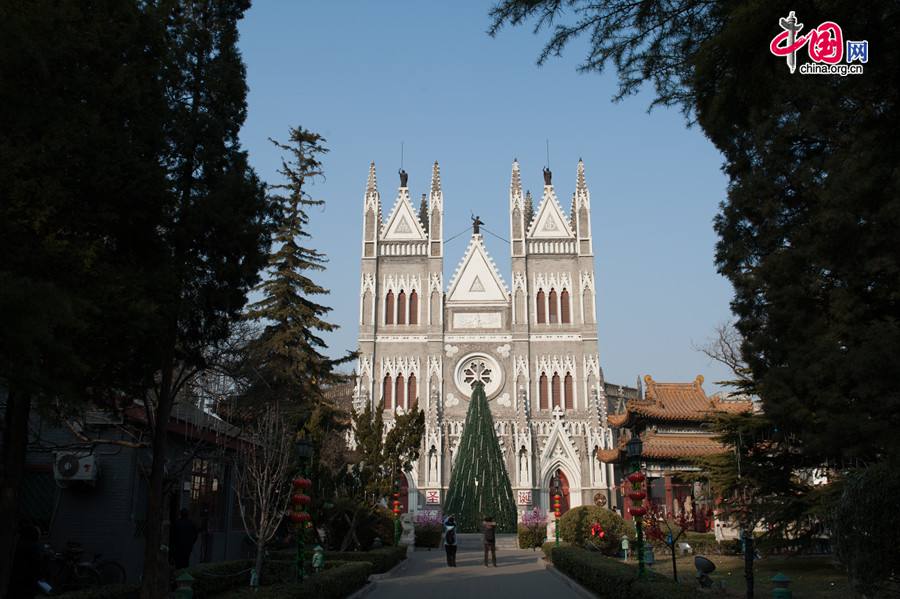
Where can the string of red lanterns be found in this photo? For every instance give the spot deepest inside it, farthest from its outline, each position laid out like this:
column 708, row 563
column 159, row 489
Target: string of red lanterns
column 637, row 494
column 300, row 501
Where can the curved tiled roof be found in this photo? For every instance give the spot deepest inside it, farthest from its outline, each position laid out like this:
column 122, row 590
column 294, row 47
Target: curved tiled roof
column 667, row 446
column 681, row 402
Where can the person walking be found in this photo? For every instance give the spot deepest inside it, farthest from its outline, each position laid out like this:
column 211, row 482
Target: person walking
column 184, row 537
column 489, row 534
column 450, row 541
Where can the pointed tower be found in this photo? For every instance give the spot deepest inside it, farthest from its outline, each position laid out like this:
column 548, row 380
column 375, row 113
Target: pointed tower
column 371, row 215
column 581, row 213
column 368, row 290
column 516, row 212
column 479, row 483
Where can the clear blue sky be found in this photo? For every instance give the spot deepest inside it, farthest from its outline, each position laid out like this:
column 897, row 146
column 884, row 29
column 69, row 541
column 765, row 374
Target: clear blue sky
column 368, row 75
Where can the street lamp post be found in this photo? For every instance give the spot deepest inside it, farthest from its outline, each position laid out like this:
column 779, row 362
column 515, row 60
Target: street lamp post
column 301, row 500
column 633, row 449
column 556, row 492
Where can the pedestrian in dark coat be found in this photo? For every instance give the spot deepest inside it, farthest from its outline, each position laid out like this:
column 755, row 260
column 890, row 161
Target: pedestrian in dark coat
column 184, row 537
column 489, row 533
column 450, row 541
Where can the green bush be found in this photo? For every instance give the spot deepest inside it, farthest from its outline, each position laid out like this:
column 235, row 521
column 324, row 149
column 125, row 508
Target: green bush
column 612, row 579
column 110, row 591
column 333, row 583
column 382, row 559
column 428, row 537
column 531, row 537
column 546, row 548
column 218, row 577
column 575, row 527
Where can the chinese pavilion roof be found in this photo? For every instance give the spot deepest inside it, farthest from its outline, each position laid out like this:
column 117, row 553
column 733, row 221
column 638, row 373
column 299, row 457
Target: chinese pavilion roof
column 667, row 446
column 675, row 402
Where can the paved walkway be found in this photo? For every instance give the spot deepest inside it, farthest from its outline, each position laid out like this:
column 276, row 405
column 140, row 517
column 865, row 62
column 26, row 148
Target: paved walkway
column 518, row 575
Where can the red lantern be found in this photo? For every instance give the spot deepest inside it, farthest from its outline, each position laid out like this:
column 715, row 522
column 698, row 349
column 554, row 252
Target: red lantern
column 297, row 482
column 305, row 517
column 636, row 477
column 637, row 496
column 296, row 517
column 637, row 511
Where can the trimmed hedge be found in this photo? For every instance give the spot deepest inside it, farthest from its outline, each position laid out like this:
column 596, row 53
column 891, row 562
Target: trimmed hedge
column 333, row 583
column 612, row 579
column 382, row 559
column 110, row 591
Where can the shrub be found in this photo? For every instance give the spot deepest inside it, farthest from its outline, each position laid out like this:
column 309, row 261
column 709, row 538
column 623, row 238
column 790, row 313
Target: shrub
column 532, row 529
column 429, row 526
column 382, row 559
column 612, row 579
column 333, row 583
column 110, row 591
column 213, row 578
column 575, row 527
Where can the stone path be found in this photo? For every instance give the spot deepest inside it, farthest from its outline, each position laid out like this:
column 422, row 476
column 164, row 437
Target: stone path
column 518, row 575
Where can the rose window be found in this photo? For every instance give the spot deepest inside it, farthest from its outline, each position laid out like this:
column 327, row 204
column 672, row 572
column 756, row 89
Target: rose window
column 478, row 368
column 477, row 371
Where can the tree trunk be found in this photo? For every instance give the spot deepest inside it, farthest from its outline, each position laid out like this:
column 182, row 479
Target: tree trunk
column 156, row 551
column 15, row 446
column 260, row 553
column 749, row 553
column 674, row 567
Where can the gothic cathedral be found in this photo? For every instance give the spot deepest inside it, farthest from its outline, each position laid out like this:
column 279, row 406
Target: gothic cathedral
column 532, row 344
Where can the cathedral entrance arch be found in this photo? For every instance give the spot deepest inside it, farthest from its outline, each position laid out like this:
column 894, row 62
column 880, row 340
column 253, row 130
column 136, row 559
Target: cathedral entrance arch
column 569, row 485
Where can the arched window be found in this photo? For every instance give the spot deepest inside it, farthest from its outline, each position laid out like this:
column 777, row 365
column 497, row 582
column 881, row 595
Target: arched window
column 542, row 386
column 564, row 316
column 568, row 392
column 411, row 395
column 555, row 390
column 401, row 390
column 401, row 307
column 541, row 307
column 554, row 317
column 413, row 307
column 387, row 393
column 389, row 308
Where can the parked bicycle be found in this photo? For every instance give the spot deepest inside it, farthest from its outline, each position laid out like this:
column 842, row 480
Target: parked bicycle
column 67, row 571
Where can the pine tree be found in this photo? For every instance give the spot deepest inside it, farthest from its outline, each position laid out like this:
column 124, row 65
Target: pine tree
column 288, row 354
column 479, row 459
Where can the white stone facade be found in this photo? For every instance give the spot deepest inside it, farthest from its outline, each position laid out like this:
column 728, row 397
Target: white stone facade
column 532, row 343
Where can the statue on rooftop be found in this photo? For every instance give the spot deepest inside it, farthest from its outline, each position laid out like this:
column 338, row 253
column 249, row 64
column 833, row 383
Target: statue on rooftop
column 476, row 224
column 548, row 175
column 403, row 177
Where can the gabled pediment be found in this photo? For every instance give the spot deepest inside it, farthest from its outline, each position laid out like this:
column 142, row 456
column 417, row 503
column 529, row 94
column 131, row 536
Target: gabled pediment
column 550, row 222
column 403, row 224
column 476, row 278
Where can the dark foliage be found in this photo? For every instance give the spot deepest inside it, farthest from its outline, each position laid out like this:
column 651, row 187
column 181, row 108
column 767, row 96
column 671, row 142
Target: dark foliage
column 611, row 578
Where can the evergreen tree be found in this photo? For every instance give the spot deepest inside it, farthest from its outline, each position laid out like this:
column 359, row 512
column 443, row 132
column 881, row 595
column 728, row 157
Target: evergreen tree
column 214, row 235
column 479, row 459
column 529, row 209
column 288, row 354
column 80, row 195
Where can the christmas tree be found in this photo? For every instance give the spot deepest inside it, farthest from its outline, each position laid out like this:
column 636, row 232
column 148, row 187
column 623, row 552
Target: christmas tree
column 479, row 484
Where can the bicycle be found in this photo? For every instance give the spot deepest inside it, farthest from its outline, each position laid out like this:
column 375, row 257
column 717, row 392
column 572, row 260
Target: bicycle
column 68, row 572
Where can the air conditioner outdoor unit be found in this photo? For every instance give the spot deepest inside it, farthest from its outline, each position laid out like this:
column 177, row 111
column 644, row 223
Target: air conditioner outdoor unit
column 69, row 466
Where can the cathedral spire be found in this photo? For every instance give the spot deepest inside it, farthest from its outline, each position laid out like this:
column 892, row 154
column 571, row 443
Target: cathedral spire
column 371, row 215
column 436, row 178
column 515, row 185
column 580, row 184
column 372, row 183
column 436, row 214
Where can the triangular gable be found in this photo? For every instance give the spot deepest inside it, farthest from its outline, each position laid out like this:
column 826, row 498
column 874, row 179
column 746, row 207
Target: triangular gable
column 403, row 224
column 560, row 451
column 551, row 222
column 476, row 278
